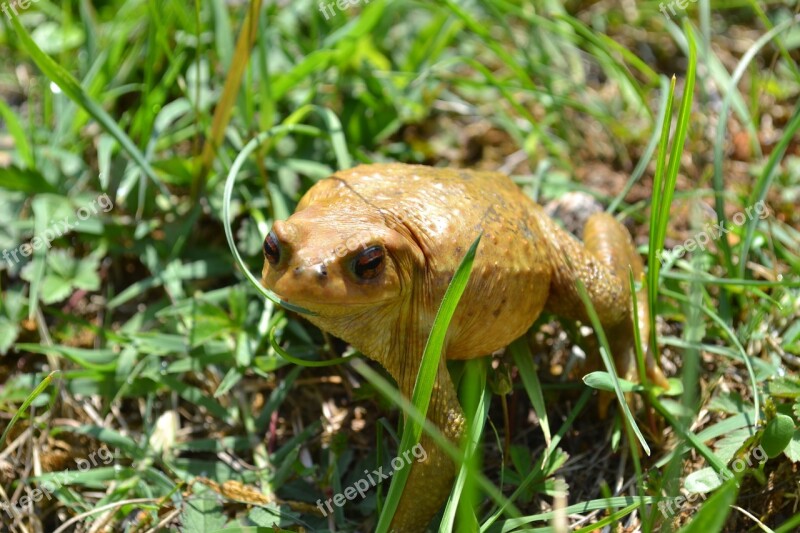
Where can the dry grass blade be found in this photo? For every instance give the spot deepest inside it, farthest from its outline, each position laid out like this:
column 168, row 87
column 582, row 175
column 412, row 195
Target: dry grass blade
column 233, row 81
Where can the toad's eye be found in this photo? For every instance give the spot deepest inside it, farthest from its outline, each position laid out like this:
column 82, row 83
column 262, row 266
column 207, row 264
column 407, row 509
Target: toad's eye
column 272, row 250
column 369, row 263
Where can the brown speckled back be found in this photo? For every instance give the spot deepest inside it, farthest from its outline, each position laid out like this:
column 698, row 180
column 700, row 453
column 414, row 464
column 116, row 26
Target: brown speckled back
column 446, row 210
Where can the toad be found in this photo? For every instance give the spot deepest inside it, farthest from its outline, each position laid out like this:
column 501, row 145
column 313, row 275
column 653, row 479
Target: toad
column 371, row 250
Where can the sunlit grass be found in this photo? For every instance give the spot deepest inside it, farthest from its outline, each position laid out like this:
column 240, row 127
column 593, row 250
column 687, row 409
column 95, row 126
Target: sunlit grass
column 204, row 133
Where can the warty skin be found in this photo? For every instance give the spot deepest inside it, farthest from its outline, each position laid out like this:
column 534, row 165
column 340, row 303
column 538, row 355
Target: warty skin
column 414, row 225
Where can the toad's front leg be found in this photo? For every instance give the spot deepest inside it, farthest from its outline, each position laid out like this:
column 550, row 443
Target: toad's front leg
column 431, row 478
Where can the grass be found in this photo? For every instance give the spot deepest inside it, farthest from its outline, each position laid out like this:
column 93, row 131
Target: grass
column 141, row 333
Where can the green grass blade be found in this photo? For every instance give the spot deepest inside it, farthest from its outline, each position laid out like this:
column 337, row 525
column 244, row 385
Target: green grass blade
column 791, row 64
column 654, row 249
column 538, row 471
column 641, row 166
column 474, row 383
column 223, row 36
column 290, row 126
column 58, row 75
column 426, row 376
column 605, row 353
column 693, row 439
column 606, row 44
column 338, row 141
column 719, row 144
column 637, row 334
column 708, row 279
column 716, row 71
column 641, row 366
column 613, row 517
column 679, row 140
column 790, row 525
column 17, row 132
column 735, row 340
column 484, row 33
column 665, row 181
column 764, row 182
column 296, row 360
column 249, row 148
column 530, row 380
column 714, row 512
column 390, row 392
column 515, row 524
column 32, row 396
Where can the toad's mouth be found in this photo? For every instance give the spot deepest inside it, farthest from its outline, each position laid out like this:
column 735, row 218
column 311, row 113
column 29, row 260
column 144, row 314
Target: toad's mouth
column 296, row 308
column 314, row 306
column 320, row 303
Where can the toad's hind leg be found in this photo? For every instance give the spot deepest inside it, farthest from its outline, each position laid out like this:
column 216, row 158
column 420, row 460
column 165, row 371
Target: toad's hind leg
column 602, row 263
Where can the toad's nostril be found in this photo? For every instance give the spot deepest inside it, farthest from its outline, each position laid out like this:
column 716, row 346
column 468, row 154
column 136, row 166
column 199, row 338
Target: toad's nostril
column 320, row 270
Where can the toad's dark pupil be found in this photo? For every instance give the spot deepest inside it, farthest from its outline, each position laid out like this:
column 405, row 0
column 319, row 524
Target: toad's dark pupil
column 272, row 250
column 369, row 263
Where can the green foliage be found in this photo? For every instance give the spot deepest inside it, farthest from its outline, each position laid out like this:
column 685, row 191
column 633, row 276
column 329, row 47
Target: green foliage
column 144, row 329
column 64, row 275
column 777, row 435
